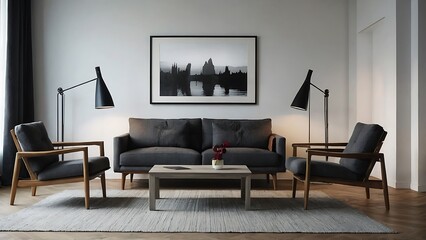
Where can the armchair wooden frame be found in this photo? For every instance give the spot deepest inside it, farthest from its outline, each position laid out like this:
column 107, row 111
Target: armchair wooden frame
column 366, row 182
column 33, row 182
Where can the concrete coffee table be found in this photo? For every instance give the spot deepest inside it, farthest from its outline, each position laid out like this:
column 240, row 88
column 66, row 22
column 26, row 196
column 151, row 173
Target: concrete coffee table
column 198, row 172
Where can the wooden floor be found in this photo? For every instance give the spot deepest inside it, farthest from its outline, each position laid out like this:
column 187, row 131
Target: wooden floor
column 407, row 215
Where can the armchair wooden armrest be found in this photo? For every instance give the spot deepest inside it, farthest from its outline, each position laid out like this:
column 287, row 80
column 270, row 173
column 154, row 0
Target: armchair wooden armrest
column 361, row 156
column 309, row 145
column 84, row 143
column 51, row 152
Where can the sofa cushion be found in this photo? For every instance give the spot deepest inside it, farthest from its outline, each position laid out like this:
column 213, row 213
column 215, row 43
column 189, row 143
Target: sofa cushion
column 238, row 132
column 159, row 132
column 364, row 139
column 242, row 134
column 319, row 168
column 33, row 137
column 252, row 157
column 160, row 155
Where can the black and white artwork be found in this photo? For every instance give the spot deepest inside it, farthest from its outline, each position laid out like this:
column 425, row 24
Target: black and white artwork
column 203, row 69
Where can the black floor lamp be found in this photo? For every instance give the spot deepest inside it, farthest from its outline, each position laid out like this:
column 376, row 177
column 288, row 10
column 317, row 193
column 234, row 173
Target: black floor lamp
column 302, row 99
column 103, row 100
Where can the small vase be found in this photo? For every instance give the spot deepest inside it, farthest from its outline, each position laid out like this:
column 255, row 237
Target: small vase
column 217, row 164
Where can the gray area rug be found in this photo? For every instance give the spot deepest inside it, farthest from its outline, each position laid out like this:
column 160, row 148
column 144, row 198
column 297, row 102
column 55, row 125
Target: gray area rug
column 190, row 211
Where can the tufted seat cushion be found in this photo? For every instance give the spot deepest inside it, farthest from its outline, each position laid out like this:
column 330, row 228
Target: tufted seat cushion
column 160, row 155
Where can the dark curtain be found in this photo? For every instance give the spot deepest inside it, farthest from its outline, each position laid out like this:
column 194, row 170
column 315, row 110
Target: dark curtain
column 19, row 96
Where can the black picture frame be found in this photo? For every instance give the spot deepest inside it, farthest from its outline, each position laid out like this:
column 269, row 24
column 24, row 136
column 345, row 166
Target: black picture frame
column 203, row 70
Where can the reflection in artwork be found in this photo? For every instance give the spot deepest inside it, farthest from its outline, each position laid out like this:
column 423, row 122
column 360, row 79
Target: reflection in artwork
column 194, row 71
column 179, row 82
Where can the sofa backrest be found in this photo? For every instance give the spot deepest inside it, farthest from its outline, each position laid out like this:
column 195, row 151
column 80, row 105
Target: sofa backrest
column 238, row 132
column 146, row 132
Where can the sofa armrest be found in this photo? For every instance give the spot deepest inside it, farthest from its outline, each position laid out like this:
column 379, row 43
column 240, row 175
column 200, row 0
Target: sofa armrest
column 121, row 144
column 277, row 144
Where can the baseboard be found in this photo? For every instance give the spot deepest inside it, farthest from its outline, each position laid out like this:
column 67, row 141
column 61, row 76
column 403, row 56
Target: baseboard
column 418, row 188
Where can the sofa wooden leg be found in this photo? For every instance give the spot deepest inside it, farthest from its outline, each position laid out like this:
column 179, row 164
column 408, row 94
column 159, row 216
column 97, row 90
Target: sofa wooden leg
column 267, row 178
column 123, row 180
column 131, row 177
column 274, row 181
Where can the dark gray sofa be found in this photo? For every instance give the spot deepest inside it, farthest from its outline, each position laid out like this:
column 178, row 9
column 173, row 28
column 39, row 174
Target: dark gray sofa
column 190, row 142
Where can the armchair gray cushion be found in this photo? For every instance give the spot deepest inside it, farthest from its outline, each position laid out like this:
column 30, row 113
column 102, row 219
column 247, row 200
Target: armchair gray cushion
column 33, row 137
column 73, row 168
column 364, row 139
column 319, row 168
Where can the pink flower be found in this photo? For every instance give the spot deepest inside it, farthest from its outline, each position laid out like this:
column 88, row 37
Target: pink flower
column 219, row 150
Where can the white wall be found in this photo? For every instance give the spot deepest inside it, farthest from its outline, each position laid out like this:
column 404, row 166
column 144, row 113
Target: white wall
column 70, row 38
column 373, row 58
column 385, row 53
column 418, row 98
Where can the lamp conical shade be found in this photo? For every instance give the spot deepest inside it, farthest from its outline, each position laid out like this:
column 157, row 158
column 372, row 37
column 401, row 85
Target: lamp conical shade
column 302, row 97
column 103, row 98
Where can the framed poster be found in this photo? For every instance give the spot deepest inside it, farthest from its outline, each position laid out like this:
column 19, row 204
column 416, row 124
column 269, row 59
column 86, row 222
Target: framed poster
column 203, row 69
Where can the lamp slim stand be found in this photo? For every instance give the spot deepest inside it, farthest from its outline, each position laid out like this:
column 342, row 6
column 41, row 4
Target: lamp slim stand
column 60, row 120
column 326, row 93
column 309, row 120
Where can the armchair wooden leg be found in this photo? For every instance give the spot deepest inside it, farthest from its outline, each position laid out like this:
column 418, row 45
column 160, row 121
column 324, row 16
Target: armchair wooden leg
column 103, row 184
column 33, row 191
column 294, row 187
column 307, row 180
column 15, row 180
column 86, row 180
column 307, row 185
column 384, row 182
column 367, row 192
column 123, row 180
column 86, row 193
column 386, row 196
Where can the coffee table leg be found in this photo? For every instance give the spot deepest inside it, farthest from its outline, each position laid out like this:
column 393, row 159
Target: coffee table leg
column 152, row 192
column 247, row 189
column 243, row 187
column 157, row 188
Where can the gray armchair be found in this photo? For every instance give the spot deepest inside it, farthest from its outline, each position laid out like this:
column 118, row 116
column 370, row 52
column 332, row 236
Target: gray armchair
column 357, row 160
column 42, row 162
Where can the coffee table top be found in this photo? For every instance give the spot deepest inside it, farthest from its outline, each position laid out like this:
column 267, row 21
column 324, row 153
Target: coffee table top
column 200, row 169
